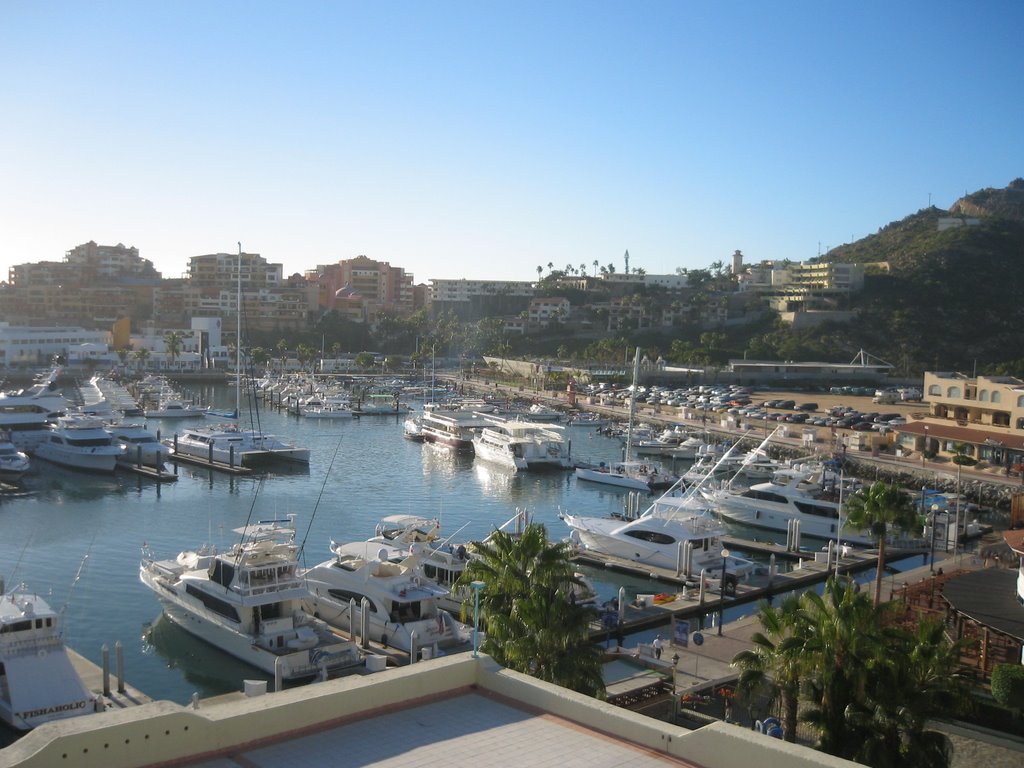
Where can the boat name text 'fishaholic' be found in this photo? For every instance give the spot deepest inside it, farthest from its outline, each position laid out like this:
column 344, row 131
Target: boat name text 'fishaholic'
column 52, row 710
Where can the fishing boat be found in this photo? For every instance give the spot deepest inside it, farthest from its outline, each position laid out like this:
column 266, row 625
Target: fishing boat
column 38, row 681
column 248, row 601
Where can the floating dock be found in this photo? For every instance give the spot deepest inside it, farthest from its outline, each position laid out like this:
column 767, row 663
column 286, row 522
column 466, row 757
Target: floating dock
column 220, row 466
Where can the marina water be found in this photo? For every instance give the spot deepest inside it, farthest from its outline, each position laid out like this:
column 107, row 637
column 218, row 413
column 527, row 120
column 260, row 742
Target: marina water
column 78, row 537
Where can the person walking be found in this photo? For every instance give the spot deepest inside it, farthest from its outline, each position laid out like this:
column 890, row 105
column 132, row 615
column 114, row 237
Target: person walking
column 657, row 647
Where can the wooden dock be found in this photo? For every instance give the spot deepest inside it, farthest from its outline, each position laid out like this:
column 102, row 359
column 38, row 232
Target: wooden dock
column 220, row 466
column 690, row 602
column 160, row 475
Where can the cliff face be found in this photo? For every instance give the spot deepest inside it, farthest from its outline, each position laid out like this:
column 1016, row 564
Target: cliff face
column 986, row 203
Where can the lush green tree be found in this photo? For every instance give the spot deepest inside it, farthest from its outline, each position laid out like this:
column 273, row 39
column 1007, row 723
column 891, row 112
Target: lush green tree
column 918, row 679
column 881, row 509
column 531, row 624
column 141, row 355
column 122, row 355
column 365, row 360
column 1008, row 685
column 173, row 341
column 773, row 666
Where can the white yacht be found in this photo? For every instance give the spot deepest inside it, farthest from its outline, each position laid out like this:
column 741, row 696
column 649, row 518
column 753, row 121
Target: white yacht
column 810, row 493
column 402, row 607
column 452, row 429
column 172, row 406
column 81, row 442
column 636, row 475
column 248, row 601
column 25, row 413
column 38, row 682
column 522, row 445
column 229, row 444
column 13, row 463
column 674, row 529
column 141, row 445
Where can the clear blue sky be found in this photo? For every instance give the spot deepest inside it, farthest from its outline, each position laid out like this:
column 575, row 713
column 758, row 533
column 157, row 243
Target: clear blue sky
column 482, row 139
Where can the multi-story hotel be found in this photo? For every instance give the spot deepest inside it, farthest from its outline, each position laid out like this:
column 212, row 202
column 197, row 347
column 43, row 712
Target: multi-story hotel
column 361, row 288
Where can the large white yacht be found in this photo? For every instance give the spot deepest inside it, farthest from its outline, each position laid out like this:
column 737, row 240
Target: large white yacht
column 13, row 463
column 452, row 429
column 674, row 527
column 230, row 444
column 402, row 604
column 81, row 442
column 522, row 445
column 141, row 445
column 26, row 413
column 38, row 682
column 810, row 493
column 248, row 601
column 636, row 475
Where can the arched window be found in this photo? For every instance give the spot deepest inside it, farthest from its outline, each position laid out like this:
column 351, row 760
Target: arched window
column 983, row 396
column 935, row 389
column 953, row 392
column 997, row 397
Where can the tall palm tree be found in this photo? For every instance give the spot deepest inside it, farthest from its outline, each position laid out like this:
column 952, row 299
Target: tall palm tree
column 531, row 624
column 596, row 263
column 881, row 509
column 773, row 666
column 172, row 341
column 141, row 355
column 844, row 645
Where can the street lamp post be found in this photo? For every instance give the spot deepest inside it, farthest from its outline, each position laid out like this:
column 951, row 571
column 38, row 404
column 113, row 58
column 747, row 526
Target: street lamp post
column 477, row 587
column 924, row 448
column 721, row 592
column 931, row 566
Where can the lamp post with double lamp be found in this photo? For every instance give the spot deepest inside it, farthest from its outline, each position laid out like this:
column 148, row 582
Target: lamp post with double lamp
column 721, row 592
column 477, row 587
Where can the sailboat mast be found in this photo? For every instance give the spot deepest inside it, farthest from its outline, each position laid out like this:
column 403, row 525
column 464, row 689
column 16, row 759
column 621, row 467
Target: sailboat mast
column 632, row 405
column 238, row 339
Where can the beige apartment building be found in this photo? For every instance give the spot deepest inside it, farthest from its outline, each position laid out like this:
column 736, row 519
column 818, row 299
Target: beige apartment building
column 982, row 415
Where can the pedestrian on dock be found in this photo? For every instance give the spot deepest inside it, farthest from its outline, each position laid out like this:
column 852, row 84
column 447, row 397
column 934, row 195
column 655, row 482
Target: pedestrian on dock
column 657, row 647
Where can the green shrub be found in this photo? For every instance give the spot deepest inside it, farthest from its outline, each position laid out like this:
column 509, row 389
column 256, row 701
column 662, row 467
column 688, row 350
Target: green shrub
column 1008, row 685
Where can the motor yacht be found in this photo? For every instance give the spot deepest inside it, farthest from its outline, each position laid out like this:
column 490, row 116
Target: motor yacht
column 230, row 444
column 399, row 602
column 13, row 463
column 810, row 493
column 26, row 413
column 141, row 445
column 38, row 682
column 81, row 442
column 452, row 429
column 248, row 601
column 522, row 445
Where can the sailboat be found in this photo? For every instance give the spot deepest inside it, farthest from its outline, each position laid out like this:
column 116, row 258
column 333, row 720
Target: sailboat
column 228, row 443
column 629, row 473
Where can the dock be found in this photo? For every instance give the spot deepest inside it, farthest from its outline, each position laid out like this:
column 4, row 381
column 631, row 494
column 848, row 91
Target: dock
column 114, row 692
column 691, row 601
column 152, row 473
column 220, row 466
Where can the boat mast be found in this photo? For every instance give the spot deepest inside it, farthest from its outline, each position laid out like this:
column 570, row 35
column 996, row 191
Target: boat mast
column 238, row 340
column 632, row 405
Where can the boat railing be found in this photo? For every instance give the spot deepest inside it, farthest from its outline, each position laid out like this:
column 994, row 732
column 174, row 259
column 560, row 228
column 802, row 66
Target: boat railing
column 34, row 643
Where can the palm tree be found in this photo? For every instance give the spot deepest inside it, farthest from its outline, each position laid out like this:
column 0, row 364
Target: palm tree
column 141, row 355
column 540, row 271
column 122, row 355
column 919, row 681
column 881, row 508
column 172, row 341
column 531, row 624
column 774, row 665
column 596, row 263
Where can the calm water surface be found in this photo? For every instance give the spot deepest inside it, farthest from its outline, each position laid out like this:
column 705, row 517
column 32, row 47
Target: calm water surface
column 78, row 537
